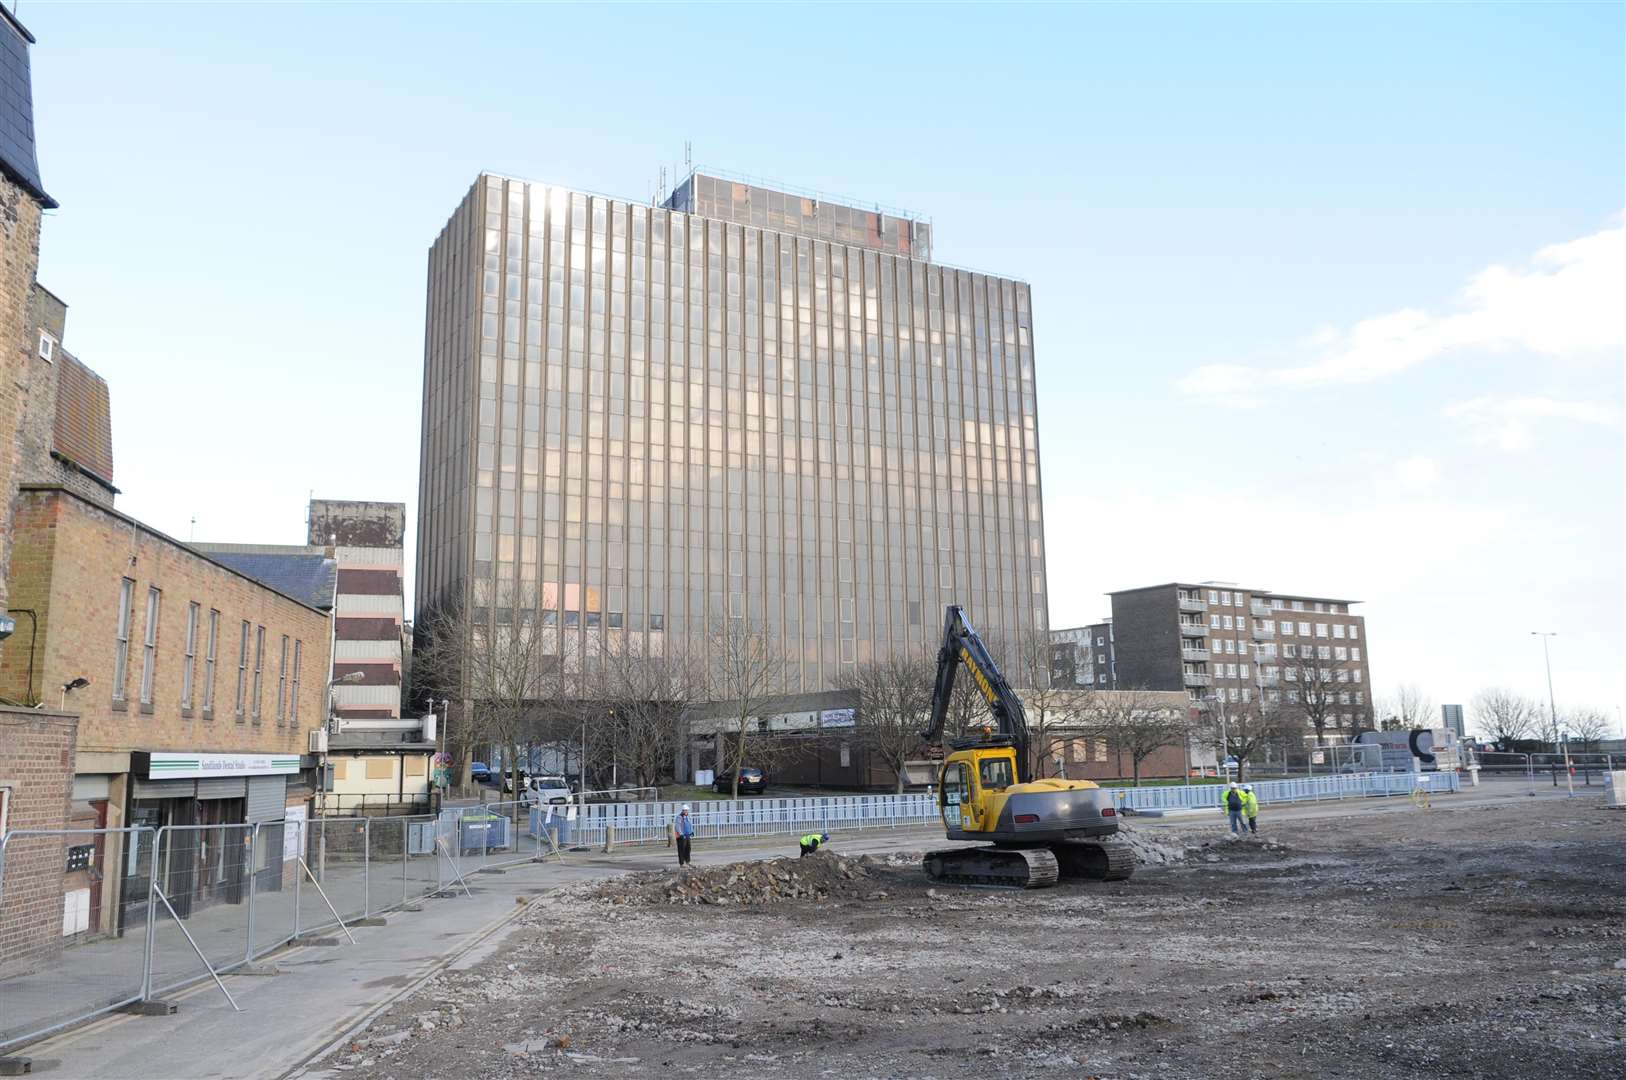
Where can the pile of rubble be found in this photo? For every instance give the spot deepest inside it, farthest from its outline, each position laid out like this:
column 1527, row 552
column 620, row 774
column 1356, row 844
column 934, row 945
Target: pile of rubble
column 1149, row 852
column 819, row 877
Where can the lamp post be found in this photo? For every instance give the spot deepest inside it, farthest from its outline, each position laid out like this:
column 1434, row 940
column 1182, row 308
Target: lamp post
column 1552, row 708
column 76, row 684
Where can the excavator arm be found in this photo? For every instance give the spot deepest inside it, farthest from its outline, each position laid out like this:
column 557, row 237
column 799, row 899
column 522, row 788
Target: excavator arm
column 962, row 645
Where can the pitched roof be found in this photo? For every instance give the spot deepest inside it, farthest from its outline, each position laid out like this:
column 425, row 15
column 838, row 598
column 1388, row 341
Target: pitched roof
column 84, row 419
column 17, row 157
column 308, row 576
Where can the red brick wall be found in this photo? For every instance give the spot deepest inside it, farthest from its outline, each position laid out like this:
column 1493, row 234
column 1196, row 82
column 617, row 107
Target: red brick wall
column 37, row 752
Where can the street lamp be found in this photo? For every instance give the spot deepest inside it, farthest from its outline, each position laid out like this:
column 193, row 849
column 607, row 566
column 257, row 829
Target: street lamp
column 1552, row 708
column 77, row 684
column 342, row 680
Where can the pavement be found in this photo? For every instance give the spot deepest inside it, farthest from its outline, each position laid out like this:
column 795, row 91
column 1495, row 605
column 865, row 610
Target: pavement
column 322, row 995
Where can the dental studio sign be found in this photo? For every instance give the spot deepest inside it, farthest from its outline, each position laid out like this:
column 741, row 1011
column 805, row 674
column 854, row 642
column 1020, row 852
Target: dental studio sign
column 174, row 766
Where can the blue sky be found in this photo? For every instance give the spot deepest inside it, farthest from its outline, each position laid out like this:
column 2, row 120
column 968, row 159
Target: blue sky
column 1273, row 343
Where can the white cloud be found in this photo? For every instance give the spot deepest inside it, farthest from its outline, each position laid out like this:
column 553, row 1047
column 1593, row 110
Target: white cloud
column 1416, row 473
column 1566, row 302
column 1508, row 422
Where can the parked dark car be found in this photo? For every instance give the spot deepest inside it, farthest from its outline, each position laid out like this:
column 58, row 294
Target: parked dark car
column 752, row 782
column 480, row 772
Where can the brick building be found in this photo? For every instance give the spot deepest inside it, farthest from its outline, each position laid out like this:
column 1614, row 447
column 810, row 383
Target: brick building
column 1225, row 645
column 1083, row 656
column 197, row 686
column 36, row 788
column 22, row 199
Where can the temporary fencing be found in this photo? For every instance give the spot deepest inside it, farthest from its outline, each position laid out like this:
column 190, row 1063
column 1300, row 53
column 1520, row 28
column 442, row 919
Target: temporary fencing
column 1302, row 789
column 144, row 911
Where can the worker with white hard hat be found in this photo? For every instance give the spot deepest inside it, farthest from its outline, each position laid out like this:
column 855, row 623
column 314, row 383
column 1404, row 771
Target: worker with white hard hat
column 1233, row 803
column 683, row 827
column 1250, row 809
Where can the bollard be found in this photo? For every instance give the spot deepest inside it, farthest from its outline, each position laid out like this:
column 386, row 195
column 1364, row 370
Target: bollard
column 609, row 838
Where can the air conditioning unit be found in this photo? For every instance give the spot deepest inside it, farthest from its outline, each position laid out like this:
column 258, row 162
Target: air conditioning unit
column 319, row 741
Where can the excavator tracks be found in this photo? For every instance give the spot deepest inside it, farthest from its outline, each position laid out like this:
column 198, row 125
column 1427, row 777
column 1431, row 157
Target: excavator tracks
column 1032, row 868
column 993, row 867
column 1094, row 860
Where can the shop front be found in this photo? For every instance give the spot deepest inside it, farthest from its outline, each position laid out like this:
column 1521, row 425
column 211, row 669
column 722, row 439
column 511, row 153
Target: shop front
column 207, row 805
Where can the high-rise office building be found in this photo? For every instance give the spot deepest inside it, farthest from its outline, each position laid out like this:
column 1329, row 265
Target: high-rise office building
column 745, row 403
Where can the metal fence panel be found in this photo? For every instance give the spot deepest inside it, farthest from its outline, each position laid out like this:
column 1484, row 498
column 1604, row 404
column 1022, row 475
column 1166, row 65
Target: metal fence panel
column 68, row 954
column 336, row 855
column 198, row 902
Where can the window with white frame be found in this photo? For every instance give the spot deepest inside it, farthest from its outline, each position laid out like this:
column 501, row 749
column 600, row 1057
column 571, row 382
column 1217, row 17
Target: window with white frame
column 1225, row 598
column 282, row 683
column 1340, row 653
column 1298, row 605
column 1326, row 674
column 293, row 701
column 1235, row 694
column 1322, row 652
column 1343, row 676
column 1356, row 675
column 1354, row 633
column 259, row 668
column 1213, row 596
column 1354, row 654
column 1360, row 698
column 1242, row 671
column 47, row 348
column 192, row 612
column 1292, row 697
column 1247, row 694
column 1292, row 674
column 1337, row 630
column 211, row 643
column 121, row 655
column 1225, row 621
column 1320, row 629
column 1213, row 622
column 242, row 670
column 149, row 646
column 1304, row 629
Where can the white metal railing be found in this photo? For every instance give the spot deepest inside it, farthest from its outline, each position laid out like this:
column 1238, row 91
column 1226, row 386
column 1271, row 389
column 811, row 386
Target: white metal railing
column 1189, row 604
column 643, row 822
column 1194, row 629
column 1304, row 789
column 1194, row 654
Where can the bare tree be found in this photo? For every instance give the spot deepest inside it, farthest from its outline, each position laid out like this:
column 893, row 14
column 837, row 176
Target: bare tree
column 894, row 706
column 1318, row 693
column 1049, row 704
column 501, row 663
column 1409, row 708
column 1247, row 727
column 1136, row 723
column 1587, row 726
column 641, row 696
column 1504, row 715
column 746, row 666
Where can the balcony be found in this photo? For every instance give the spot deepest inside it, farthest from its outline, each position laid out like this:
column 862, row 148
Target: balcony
column 1261, row 610
column 1194, row 629
column 1194, row 654
column 1196, row 679
column 1261, row 634
column 1269, row 680
column 1188, row 603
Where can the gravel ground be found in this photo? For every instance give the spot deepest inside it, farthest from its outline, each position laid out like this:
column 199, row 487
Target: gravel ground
column 1475, row 942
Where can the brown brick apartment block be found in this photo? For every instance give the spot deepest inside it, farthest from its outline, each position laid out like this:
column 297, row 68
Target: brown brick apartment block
column 1225, row 644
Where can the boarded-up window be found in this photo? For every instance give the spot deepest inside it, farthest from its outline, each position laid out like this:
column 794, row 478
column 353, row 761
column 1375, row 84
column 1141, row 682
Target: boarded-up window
column 380, row 768
column 415, row 766
column 1081, row 749
column 341, row 768
column 1100, row 749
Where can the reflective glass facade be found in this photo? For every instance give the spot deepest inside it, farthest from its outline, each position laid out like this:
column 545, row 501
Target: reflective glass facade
column 646, row 421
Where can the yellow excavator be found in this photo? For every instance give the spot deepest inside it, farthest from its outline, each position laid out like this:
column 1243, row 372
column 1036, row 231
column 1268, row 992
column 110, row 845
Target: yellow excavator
column 1039, row 831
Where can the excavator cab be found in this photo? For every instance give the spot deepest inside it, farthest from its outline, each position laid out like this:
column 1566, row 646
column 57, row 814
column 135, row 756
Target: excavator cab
column 1041, row 830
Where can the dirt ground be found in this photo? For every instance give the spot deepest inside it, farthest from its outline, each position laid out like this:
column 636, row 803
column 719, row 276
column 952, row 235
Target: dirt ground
column 1475, row 942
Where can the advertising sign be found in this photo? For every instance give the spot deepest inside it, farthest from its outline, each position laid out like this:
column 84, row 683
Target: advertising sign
column 838, row 718
column 162, row 765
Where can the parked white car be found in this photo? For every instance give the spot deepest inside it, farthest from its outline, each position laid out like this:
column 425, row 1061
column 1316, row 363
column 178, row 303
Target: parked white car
column 548, row 789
